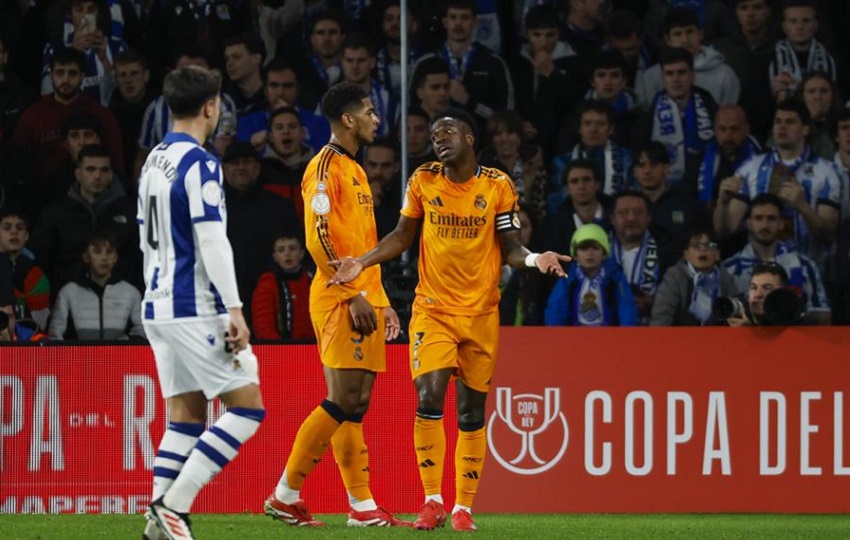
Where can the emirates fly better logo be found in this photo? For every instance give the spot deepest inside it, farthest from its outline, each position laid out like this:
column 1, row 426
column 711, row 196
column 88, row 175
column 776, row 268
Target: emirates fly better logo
column 529, row 427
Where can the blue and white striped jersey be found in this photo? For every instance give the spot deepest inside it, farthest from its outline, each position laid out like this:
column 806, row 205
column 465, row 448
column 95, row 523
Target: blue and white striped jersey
column 180, row 185
column 821, row 185
column 157, row 121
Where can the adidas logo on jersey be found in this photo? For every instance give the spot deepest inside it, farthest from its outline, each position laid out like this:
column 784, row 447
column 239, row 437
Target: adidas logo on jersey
column 436, row 202
column 356, row 183
column 211, row 164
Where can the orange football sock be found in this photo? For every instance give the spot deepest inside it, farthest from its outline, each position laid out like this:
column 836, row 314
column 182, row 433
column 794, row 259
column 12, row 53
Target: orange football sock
column 352, row 458
column 310, row 445
column 429, row 438
column 469, row 462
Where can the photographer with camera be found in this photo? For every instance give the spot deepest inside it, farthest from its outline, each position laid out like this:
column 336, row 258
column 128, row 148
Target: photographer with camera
column 765, row 224
column 769, row 301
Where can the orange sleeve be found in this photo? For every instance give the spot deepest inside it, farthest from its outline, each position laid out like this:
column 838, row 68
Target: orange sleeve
column 507, row 205
column 339, row 222
column 412, row 206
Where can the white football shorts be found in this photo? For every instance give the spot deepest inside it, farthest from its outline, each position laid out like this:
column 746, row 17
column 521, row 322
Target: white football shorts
column 191, row 356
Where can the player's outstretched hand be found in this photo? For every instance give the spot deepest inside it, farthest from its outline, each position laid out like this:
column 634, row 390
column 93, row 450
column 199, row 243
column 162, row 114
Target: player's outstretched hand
column 347, row 269
column 549, row 262
column 239, row 334
column 392, row 324
column 363, row 315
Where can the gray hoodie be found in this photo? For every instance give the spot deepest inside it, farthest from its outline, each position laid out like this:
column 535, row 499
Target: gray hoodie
column 712, row 74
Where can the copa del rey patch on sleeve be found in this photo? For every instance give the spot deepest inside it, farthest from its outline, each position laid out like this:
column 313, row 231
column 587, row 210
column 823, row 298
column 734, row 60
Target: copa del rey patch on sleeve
column 320, row 203
column 211, row 193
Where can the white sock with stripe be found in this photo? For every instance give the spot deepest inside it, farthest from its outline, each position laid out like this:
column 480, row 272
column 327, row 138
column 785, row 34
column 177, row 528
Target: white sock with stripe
column 214, row 449
column 174, row 448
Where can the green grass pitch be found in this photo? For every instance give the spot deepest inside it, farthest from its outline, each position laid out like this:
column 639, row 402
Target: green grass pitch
column 499, row 526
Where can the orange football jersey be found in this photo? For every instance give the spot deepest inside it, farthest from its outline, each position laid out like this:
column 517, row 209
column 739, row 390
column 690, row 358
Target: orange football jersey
column 339, row 221
column 460, row 258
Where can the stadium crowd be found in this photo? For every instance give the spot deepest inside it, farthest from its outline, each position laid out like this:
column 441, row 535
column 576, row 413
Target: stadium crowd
column 672, row 147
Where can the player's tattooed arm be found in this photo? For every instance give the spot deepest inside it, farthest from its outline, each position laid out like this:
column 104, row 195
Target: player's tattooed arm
column 517, row 256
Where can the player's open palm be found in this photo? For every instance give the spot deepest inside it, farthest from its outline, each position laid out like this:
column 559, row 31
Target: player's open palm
column 363, row 315
column 347, row 270
column 549, row 262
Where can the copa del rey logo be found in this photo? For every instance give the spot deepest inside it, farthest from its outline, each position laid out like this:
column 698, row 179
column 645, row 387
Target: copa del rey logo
column 528, row 434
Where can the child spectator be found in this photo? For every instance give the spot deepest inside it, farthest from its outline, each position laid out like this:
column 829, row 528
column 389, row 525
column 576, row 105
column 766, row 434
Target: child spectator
column 280, row 307
column 100, row 305
column 689, row 288
column 31, row 286
column 596, row 292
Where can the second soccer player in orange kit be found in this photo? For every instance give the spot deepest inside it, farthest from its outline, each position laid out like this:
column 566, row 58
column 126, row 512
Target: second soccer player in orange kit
column 470, row 223
column 351, row 322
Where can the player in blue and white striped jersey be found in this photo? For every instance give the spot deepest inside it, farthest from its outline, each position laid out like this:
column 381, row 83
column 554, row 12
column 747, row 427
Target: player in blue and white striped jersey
column 191, row 310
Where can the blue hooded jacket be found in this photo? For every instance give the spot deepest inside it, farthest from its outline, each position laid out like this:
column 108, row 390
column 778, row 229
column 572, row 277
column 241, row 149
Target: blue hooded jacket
column 562, row 307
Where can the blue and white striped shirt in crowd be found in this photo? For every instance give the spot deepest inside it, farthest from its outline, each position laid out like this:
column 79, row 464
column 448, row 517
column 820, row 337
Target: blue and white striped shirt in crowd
column 180, row 185
column 803, row 275
column 96, row 81
column 821, row 185
column 157, row 121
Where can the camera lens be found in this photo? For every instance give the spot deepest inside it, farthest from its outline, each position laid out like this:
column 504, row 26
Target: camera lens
column 782, row 307
column 723, row 307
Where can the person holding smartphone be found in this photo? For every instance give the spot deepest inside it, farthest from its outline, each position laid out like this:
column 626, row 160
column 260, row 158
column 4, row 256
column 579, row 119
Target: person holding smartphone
column 100, row 49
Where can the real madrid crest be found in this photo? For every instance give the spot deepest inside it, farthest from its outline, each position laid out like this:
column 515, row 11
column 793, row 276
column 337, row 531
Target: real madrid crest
column 320, row 203
column 480, row 203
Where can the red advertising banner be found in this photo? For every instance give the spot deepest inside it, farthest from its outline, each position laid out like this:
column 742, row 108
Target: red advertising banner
column 579, row 420
column 669, row 420
column 79, row 427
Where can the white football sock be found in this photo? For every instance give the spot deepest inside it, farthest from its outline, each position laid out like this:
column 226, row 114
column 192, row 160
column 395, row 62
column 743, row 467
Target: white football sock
column 215, row 448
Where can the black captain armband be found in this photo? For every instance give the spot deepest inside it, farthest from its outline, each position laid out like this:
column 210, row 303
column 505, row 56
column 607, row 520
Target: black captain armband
column 507, row 221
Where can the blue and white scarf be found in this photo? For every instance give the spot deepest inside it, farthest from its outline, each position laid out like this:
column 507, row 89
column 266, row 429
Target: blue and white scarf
column 458, row 72
column 590, row 300
column 785, row 59
column 389, row 72
column 645, row 272
column 677, row 135
column 706, row 291
column 711, row 162
column 385, row 105
column 624, row 102
column 322, row 71
column 612, row 161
